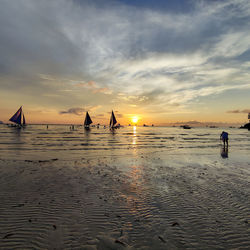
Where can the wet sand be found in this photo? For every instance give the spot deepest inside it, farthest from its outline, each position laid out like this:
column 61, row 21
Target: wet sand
column 141, row 201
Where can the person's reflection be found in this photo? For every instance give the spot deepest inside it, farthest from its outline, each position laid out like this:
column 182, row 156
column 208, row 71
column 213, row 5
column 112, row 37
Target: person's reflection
column 224, row 152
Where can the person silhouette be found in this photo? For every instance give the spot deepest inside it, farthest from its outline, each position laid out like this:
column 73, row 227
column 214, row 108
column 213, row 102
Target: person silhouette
column 224, row 138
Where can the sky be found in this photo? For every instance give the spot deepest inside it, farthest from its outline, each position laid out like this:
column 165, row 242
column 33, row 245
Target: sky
column 165, row 62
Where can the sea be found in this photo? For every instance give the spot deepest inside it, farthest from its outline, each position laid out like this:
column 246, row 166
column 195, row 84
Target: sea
column 60, row 141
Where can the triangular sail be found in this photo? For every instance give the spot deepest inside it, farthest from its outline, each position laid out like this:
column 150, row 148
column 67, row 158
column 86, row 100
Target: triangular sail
column 17, row 117
column 88, row 120
column 112, row 120
column 24, row 120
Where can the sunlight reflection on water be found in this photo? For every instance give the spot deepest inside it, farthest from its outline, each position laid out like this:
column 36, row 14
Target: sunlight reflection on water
column 61, row 142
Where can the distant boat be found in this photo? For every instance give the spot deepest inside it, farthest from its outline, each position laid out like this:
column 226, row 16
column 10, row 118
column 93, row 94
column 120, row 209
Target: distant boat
column 87, row 121
column 247, row 125
column 186, row 126
column 113, row 121
column 18, row 118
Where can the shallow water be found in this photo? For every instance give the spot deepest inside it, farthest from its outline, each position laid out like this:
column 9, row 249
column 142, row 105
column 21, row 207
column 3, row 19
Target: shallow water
column 150, row 187
column 36, row 141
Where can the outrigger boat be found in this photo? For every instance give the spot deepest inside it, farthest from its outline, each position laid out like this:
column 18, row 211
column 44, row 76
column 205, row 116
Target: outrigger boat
column 186, row 126
column 18, row 118
column 87, row 121
column 113, row 122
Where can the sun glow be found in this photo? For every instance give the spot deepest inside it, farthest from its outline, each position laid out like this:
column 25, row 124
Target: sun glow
column 134, row 119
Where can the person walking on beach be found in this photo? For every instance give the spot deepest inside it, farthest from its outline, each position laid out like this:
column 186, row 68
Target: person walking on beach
column 224, row 137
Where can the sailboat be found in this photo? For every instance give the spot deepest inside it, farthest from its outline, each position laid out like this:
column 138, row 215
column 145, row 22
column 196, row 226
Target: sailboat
column 87, row 121
column 113, row 121
column 18, row 118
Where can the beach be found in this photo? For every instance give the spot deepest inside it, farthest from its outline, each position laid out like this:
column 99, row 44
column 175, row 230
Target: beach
column 135, row 188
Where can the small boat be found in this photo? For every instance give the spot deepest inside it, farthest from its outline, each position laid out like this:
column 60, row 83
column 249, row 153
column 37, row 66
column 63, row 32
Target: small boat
column 87, row 121
column 18, row 118
column 113, row 121
column 186, row 126
column 247, row 125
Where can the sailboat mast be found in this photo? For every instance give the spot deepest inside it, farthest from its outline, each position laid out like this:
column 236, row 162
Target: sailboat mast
column 24, row 122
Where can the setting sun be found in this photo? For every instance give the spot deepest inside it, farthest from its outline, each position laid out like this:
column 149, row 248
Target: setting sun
column 134, row 119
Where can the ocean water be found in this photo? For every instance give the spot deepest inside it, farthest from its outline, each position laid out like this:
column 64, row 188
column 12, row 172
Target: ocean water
column 58, row 141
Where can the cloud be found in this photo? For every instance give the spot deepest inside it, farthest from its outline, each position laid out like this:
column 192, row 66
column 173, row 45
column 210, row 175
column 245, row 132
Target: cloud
column 75, row 111
column 78, row 111
column 157, row 59
column 119, row 115
column 94, row 87
column 238, row 111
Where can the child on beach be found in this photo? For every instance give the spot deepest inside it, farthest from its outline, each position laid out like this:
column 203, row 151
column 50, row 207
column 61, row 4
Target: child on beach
column 224, row 137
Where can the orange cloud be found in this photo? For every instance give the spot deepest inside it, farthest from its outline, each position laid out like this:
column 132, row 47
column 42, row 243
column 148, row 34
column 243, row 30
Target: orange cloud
column 94, row 87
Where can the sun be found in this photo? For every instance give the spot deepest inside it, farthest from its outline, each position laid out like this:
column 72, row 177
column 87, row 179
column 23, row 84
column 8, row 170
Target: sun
column 134, row 119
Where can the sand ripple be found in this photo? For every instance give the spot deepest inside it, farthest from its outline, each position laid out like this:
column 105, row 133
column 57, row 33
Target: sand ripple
column 146, row 201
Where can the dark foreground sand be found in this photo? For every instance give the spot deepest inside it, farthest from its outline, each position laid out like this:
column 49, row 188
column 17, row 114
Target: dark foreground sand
column 125, row 203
